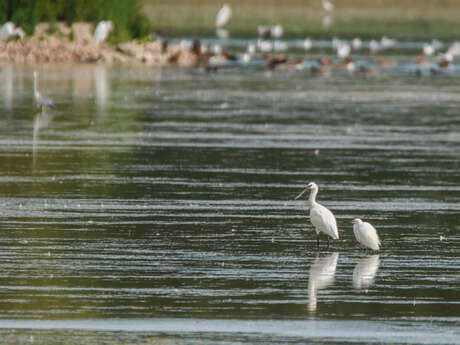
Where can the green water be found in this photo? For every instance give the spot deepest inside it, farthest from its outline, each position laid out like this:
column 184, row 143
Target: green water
column 157, row 206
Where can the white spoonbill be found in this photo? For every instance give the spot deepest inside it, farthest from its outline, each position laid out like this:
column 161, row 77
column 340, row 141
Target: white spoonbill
column 223, row 16
column 366, row 234
column 322, row 219
column 41, row 100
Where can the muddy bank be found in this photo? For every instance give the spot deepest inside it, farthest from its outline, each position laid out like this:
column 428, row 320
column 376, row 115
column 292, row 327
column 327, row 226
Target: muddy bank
column 75, row 44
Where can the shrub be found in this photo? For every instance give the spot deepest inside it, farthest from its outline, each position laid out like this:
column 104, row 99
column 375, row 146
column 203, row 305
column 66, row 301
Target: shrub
column 130, row 22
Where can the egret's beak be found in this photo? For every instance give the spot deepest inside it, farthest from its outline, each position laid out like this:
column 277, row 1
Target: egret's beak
column 302, row 193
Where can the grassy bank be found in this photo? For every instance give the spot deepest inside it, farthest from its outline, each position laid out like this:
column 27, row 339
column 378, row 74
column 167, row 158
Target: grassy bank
column 403, row 19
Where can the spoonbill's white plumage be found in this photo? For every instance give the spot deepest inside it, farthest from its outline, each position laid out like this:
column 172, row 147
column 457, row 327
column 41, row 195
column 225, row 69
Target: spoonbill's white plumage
column 366, row 234
column 322, row 219
column 223, row 16
column 41, row 100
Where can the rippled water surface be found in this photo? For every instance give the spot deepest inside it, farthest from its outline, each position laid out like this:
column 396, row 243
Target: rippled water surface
column 157, row 206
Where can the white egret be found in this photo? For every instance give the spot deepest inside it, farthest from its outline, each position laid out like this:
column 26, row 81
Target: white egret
column 277, row 31
column 366, row 234
column 41, row 100
column 6, row 31
column 428, row 49
column 307, row 44
column 343, row 50
column 102, row 31
column 327, row 5
column 322, row 219
column 386, row 42
column 374, row 46
column 357, row 43
column 365, row 271
column 223, row 16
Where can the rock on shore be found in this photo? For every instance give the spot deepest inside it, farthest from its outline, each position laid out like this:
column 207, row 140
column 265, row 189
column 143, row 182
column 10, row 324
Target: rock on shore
column 75, row 45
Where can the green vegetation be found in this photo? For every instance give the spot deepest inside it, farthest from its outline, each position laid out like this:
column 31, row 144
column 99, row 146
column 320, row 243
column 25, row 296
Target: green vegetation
column 403, row 19
column 130, row 22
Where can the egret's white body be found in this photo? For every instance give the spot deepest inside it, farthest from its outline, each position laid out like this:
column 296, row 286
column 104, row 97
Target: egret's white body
column 41, row 100
column 223, row 16
column 322, row 274
column 374, row 46
column 102, row 31
column 365, row 271
column 366, row 234
column 327, row 5
column 386, row 42
column 6, row 31
column 428, row 49
column 277, row 31
column 322, row 219
column 307, row 44
column 357, row 43
column 343, row 50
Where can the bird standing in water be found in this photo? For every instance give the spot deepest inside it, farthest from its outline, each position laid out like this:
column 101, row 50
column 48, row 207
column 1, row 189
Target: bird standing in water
column 322, row 219
column 41, row 100
column 366, row 234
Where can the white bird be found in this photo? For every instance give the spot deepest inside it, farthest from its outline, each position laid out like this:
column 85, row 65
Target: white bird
column 251, row 49
column 223, row 16
column 102, row 31
column 322, row 219
column 277, row 31
column 386, row 42
column 343, row 50
column 374, row 46
column 428, row 49
column 307, row 44
column 365, row 271
column 327, row 5
column 366, row 234
column 41, row 100
column 6, row 31
column 357, row 43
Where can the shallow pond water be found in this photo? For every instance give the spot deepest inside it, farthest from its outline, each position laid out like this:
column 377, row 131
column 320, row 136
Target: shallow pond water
column 157, row 206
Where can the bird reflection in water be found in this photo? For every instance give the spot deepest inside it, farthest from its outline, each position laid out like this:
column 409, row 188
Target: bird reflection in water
column 322, row 274
column 365, row 271
column 41, row 120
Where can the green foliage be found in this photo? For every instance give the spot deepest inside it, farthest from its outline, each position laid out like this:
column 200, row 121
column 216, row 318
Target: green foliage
column 127, row 16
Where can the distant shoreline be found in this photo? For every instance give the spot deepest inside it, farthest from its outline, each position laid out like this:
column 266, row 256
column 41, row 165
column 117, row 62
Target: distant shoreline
column 75, row 45
column 411, row 20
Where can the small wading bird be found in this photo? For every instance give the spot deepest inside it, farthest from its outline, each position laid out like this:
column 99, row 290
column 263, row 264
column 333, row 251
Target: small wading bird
column 223, row 16
column 366, row 234
column 41, row 100
column 327, row 5
column 322, row 219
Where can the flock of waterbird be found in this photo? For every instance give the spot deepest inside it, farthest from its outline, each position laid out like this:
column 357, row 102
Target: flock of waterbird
column 432, row 58
column 323, row 220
